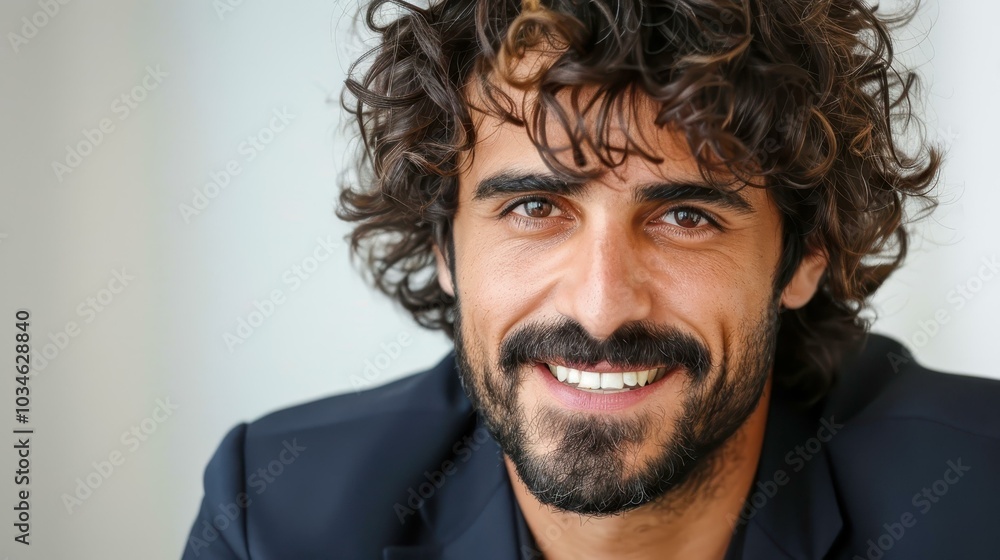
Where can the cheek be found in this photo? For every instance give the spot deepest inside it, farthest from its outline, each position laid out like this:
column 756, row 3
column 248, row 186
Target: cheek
column 710, row 292
column 496, row 284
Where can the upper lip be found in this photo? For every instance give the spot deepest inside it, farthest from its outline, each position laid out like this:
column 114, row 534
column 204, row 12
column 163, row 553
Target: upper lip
column 601, row 367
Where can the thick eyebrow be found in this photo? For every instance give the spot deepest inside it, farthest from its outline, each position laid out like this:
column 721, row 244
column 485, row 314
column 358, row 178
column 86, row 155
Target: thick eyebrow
column 507, row 183
column 671, row 191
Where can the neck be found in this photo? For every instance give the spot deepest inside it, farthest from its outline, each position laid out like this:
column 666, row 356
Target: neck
column 693, row 521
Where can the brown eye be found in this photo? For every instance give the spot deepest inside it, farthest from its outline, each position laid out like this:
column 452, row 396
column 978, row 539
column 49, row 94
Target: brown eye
column 684, row 218
column 536, row 208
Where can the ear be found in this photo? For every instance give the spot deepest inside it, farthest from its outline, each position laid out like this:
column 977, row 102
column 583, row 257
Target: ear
column 805, row 281
column 443, row 273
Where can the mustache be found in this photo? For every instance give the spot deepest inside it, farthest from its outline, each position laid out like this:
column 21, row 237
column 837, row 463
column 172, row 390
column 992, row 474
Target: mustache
column 638, row 343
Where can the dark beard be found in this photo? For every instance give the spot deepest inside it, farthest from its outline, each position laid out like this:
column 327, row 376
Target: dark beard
column 584, row 472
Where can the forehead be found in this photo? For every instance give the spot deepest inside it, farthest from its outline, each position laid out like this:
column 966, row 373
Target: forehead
column 506, row 149
column 509, row 147
column 585, row 118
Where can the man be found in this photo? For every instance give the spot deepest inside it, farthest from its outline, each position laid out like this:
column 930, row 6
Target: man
column 650, row 229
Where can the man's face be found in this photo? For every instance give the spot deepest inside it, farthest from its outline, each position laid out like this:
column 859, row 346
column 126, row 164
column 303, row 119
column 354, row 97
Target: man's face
column 644, row 268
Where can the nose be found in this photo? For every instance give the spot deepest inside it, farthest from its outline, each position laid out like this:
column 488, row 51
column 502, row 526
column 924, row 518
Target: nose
column 604, row 283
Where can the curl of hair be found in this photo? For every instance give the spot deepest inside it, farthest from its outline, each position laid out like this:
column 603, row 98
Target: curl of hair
column 803, row 94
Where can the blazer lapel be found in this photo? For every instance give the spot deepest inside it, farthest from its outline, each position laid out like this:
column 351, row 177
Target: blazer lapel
column 472, row 514
column 799, row 518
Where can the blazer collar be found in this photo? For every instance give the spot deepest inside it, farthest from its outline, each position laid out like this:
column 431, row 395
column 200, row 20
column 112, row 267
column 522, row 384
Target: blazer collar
column 472, row 514
column 792, row 510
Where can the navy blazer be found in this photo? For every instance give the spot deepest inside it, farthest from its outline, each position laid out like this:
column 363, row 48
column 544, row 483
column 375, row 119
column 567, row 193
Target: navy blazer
column 897, row 462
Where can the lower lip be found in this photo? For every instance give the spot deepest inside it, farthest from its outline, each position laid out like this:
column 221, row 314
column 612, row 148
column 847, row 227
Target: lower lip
column 577, row 399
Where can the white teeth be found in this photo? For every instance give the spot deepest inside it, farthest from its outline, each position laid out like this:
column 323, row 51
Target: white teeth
column 590, row 380
column 611, row 381
column 605, row 381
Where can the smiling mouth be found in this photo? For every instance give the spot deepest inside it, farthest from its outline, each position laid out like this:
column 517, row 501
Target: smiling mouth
column 616, row 382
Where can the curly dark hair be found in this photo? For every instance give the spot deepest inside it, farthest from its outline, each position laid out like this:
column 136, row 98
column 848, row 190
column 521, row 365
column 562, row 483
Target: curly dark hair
column 802, row 93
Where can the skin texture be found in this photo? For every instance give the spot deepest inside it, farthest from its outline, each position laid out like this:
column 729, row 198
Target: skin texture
column 602, row 260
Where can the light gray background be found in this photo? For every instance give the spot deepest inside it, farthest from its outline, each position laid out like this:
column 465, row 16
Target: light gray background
column 161, row 337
